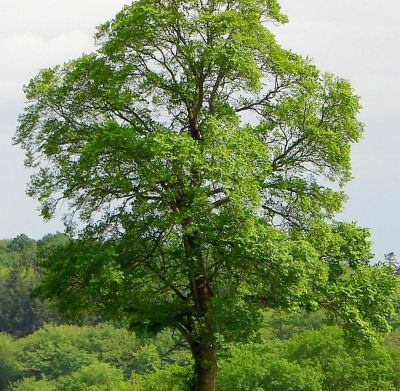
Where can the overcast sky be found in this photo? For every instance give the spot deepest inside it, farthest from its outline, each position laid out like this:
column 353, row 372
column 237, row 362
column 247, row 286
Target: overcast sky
column 355, row 39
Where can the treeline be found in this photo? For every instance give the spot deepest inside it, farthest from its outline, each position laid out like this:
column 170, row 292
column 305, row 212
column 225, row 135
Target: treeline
column 19, row 274
column 102, row 357
column 298, row 352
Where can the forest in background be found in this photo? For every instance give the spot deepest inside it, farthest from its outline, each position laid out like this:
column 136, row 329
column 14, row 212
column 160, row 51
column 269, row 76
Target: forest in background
column 297, row 352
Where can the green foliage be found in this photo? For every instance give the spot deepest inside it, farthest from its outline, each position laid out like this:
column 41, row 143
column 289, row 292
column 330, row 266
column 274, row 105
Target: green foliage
column 283, row 325
column 8, row 364
column 61, row 355
column 19, row 314
column 51, row 352
column 55, row 351
column 171, row 378
column 312, row 360
column 31, row 384
column 258, row 367
column 343, row 367
column 204, row 164
column 94, row 377
column 104, row 358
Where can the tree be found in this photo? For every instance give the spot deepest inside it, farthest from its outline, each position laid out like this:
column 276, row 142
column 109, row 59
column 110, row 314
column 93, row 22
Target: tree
column 259, row 368
column 200, row 162
column 19, row 314
column 71, row 356
column 343, row 367
column 314, row 360
column 96, row 377
column 8, row 364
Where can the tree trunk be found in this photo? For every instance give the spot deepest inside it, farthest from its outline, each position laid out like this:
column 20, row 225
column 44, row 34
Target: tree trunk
column 202, row 345
column 205, row 366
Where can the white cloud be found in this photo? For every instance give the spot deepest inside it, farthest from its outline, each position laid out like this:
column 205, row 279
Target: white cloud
column 33, row 35
column 50, row 18
column 358, row 39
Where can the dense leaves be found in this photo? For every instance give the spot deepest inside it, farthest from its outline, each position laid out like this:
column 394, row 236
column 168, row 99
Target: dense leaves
column 19, row 274
column 104, row 358
column 203, row 165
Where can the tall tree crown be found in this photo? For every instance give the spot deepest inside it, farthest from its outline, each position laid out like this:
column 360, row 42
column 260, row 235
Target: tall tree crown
column 205, row 160
column 183, row 86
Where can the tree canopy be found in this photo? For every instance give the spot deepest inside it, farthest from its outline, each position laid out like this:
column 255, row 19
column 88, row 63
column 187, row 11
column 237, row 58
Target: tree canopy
column 19, row 274
column 104, row 358
column 203, row 166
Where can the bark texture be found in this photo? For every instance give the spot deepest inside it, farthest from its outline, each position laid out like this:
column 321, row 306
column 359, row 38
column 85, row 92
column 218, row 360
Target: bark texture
column 205, row 365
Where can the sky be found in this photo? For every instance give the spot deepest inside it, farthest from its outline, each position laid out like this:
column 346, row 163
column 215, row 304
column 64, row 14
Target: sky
column 354, row 39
